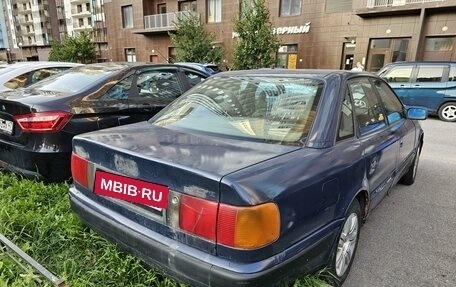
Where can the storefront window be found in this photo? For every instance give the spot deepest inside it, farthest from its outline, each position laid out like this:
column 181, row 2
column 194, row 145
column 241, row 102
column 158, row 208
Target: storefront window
column 387, row 50
column 400, row 50
column 380, row 43
column 439, row 44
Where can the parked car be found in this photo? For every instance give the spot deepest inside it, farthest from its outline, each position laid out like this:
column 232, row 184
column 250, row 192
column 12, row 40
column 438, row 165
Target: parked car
column 24, row 74
column 38, row 123
column 205, row 67
column 428, row 84
column 251, row 178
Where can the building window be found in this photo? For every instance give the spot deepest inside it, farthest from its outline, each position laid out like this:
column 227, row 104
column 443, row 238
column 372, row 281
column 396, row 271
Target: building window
column 187, row 6
column 244, row 4
column 439, row 44
column 130, row 55
column 161, row 8
column 214, row 11
column 290, row 7
column 337, row 6
column 127, row 16
column 81, row 22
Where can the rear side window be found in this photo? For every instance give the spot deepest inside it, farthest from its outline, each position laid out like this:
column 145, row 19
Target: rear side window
column 159, row 83
column 368, row 109
column 41, row 74
column 346, row 128
column 399, row 74
column 193, row 78
column 391, row 103
column 17, row 82
column 452, row 77
column 430, row 73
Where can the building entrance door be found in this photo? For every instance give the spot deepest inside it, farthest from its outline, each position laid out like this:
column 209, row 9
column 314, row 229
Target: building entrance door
column 287, row 56
column 348, row 54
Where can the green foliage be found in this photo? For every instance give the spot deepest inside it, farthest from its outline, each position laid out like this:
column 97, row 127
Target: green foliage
column 256, row 45
column 193, row 43
column 74, row 49
column 37, row 218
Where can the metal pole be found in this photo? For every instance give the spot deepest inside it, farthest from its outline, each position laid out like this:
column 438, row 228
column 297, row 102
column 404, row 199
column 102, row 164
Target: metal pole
column 32, row 262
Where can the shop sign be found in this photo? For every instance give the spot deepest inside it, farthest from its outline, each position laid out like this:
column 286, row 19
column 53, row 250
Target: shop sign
column 286, row 30
column 292, row 29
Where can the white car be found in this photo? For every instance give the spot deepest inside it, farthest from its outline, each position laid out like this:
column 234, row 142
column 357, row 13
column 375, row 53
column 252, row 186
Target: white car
column 23, row 74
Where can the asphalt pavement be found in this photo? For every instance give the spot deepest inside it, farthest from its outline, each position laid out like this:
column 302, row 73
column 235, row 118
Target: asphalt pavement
column 409, row 240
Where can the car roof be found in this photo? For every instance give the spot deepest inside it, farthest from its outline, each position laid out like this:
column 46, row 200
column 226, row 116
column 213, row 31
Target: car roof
column 420, row 62
column 116, row 65
column 23, row 67
column 308, row 73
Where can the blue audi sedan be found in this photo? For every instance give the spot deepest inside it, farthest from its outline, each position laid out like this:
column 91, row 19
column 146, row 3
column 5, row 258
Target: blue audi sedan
column 251, row 178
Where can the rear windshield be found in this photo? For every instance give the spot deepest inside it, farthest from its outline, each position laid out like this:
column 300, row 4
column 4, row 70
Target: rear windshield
column 74, row 80
column 266, row 109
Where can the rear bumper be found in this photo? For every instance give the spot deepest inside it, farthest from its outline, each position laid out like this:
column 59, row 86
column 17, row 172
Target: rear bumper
column 48, row 166
column 196, row 267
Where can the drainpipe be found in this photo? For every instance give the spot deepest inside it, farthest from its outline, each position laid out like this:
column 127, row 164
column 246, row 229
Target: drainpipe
column 417, row 52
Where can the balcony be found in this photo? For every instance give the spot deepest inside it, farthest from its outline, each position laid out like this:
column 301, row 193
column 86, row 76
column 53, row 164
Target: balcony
column 390, row 3
column 80, row 14
column 160, row 23
column 78, row 28
column 79, row 1
column 376, row 8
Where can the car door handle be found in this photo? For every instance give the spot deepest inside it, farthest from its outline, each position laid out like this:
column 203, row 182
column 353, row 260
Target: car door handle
column 416, row 85
column 401, row 143
column 402, row 85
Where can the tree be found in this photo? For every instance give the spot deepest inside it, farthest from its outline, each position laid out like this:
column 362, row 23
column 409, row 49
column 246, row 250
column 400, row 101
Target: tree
column 74, row 49
column 256, row 45
column 193, row 43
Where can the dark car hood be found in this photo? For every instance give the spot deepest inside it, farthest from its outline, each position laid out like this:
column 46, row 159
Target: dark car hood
column 207, row 154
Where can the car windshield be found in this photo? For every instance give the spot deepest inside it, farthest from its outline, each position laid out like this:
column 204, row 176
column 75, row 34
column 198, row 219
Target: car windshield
column 73, row 80
column 266, row 109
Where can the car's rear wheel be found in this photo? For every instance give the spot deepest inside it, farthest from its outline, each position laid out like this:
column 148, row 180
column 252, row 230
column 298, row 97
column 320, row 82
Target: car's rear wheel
column 347, row 244
column 447, row 112
column 409, row 177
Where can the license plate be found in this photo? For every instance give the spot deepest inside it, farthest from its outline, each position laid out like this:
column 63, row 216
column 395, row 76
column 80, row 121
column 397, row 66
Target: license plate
column 6, row 126
column 130, row 189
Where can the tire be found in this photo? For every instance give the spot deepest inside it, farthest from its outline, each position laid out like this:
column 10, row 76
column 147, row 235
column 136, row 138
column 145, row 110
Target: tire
column 409, row 177
column 447, row 112
column 347, row 243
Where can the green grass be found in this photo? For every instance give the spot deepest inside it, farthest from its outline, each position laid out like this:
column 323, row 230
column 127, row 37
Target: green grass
column 37, row 217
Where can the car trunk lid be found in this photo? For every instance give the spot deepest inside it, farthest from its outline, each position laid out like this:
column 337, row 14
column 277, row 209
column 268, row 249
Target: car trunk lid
column 143, row 156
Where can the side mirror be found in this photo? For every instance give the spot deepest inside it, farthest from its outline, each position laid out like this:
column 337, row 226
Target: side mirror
column 416, row 113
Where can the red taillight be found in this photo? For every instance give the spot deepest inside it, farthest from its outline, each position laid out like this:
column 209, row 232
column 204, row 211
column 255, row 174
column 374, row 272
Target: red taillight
column 79, row 168
column 198, row 216
column 43, row 122
column 244, row 227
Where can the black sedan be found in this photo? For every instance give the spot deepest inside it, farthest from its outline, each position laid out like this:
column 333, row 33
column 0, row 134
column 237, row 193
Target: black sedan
column 251, row 178
column 38, row 123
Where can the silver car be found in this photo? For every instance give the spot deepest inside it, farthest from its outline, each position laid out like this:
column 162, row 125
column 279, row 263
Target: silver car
column 23, row 74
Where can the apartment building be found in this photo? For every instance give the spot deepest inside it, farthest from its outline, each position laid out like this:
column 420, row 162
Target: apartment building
column 28, row 27
column 313, row 33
